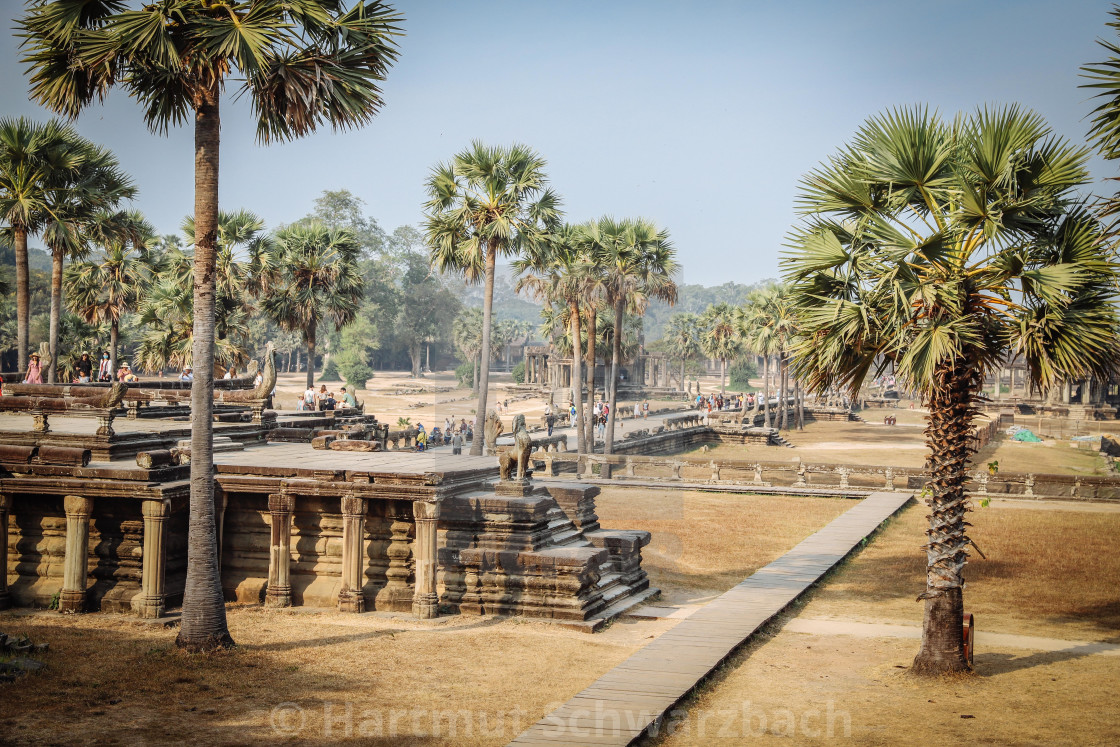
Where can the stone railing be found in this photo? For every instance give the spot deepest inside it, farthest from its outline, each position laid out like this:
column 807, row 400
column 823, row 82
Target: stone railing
column 837, row 477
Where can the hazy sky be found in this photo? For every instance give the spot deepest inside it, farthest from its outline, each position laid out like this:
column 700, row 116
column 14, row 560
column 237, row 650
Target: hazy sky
column 701, row 116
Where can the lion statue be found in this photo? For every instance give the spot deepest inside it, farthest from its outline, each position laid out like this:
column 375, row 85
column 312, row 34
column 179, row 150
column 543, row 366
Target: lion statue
column 518, row 454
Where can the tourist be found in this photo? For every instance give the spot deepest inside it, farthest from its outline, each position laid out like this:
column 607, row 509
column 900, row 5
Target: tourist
column 258, row 379
column 457, row 443
column 85, row 369
column 309, row 398
column 602, row 427
column 645, row 409
column 348, row 399
column 228, row 375
column 572, row 414
column 549, row 420
column 187, row 375
column 104, row 368
column 34, row 371
column 125, row 374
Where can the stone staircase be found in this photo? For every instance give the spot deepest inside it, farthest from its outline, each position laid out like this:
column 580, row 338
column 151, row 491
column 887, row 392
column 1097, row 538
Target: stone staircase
column 777, row 439
column 543, row 555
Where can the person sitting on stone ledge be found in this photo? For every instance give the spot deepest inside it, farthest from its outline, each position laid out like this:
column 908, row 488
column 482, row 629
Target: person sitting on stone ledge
column 187, row 375
column 348, row 399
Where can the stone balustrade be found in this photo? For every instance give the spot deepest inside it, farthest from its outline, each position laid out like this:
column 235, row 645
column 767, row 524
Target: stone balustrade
column 627, row 467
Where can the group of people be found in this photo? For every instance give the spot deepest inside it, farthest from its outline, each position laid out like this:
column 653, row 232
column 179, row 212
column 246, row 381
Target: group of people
column 83, row 370
column 324, row 400
column 730, row 402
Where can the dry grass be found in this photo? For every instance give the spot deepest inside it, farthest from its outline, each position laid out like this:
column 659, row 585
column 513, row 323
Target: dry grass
column 796, row 681
column 1047, row 457
column 113, row 679
column 707, row 542
column 1048, row 573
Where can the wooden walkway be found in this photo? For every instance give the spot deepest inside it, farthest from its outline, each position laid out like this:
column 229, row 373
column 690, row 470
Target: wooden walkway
column 618, row 707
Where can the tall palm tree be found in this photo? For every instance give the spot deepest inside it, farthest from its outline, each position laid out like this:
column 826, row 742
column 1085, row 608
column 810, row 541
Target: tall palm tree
column 318, row 281
column 556, row 271
column 86, row 184
column 28, row 156
column 944, row 249
column 303, row 63
column 768, row 327
column 1104, row 133
column 638, row 262
column 487, row 201
column 719, row 337
column 466, row 330
column 682, row 337
column 245, row 264
column 104, row 290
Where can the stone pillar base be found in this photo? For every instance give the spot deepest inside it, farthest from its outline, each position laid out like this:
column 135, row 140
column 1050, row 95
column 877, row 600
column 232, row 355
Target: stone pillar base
column 71, row 601
column 280, row 596
column 351, row 601
column 151, row 608
column 426, row 607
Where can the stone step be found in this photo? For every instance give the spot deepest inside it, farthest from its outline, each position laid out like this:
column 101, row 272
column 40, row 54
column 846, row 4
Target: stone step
column 221, row 443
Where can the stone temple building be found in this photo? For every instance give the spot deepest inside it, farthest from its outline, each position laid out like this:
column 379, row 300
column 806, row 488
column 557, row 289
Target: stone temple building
column 315, row 509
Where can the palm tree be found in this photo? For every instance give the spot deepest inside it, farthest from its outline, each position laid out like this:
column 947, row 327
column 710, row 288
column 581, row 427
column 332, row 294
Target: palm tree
column 943, row 250
column 318, row 280
column 467, row 333
column 103, row 291
column 1104, row 133
column 638, row 262
column 488, row 201
column 682, row 337
column 303, row 62
column 767, row 327
column 245, row 263
column 27, row 152
column 719, row 337
column 556, row 271
column 84, row 186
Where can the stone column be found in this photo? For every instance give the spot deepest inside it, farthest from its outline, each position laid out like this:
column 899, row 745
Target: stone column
column 350, row 598
column 279, row 592
column 425, row 604
column 153, row 572
column 5, row 508
column 76, row 565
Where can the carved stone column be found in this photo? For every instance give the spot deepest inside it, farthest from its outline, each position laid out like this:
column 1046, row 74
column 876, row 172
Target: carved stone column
column 397, row 594
column 350, row 598
column 5, row 508
column 76, row 565
column 279, row 592
column 425, row 604
column 154, row 559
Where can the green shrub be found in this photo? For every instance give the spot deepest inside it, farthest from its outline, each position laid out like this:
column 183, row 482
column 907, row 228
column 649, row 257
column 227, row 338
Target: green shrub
column 465, row 374
column 519, row 373
column 742, row 371
column 354, row 369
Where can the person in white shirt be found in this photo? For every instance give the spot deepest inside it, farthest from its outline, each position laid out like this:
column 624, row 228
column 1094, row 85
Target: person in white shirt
column 187, row 375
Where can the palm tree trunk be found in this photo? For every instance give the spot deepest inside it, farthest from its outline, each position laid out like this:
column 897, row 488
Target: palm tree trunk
column 484, row 374
column 950, row 417
column 722, row 375
column 682, row 375
column 23, row 296
column 783, row 383
column 616, row 355
column 203, row 625
column 766, row 385
column 114, row 341
column 56, row 313
column 800, row 394
column 311, row 330
column 477, row 371
column 589, row 426
column 577, row 380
